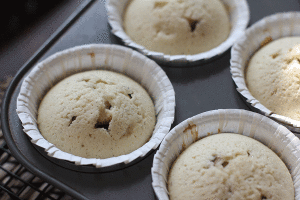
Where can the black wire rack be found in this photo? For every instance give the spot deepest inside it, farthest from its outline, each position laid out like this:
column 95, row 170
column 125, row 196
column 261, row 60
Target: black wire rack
column 16, row 182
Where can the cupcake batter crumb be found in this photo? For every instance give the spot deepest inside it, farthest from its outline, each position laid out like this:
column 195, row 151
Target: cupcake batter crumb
column 97, row 114
column 229, row 166
column 273, row 76
column 176, row 27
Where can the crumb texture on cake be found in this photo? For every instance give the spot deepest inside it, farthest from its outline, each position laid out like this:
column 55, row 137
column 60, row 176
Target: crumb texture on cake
column 273, row 76
column 177, row 27
column 229, row 166
column 97, row 114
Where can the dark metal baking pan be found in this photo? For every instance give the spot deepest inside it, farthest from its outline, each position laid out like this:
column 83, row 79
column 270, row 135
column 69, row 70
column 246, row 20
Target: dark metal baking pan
column 197, row 89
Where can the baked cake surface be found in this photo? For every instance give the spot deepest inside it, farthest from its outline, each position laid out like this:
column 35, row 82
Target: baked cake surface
column 97, row 114
column 177, row 27
column 229, row 166
column 273, row 76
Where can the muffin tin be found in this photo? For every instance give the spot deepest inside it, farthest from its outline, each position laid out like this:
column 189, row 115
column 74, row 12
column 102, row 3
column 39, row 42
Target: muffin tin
column 197, row 89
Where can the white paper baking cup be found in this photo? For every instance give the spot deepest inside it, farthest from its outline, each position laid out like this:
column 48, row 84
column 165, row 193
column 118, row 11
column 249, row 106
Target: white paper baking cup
column 239, row 18
column 272, row 27
column 90, row 57
column 273, row 135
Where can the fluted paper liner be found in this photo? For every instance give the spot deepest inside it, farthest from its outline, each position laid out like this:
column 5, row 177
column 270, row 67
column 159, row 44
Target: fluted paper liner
column 90, row 57
column 275, row 136
column 239, row 17
column 272, row 27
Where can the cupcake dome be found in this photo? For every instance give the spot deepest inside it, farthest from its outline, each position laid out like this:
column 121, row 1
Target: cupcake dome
column 176, row 27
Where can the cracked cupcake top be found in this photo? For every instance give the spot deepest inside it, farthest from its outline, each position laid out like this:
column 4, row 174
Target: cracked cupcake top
column 273, row 76
column 229, row 166
column 97, row 114
column 177, row 27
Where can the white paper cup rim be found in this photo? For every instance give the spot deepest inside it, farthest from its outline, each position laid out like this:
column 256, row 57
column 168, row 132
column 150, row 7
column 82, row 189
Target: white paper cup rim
column 239, row 17
column 275, row 136
column 91, row 57
column 274, row 26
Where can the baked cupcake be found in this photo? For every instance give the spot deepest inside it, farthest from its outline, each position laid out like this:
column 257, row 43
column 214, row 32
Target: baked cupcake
column 272, row 76
column 274, row 90
column 87, row 62
column 178, row 33
column 97, row 114
column 229, row 166
column 177, row 27
column 230, row 153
